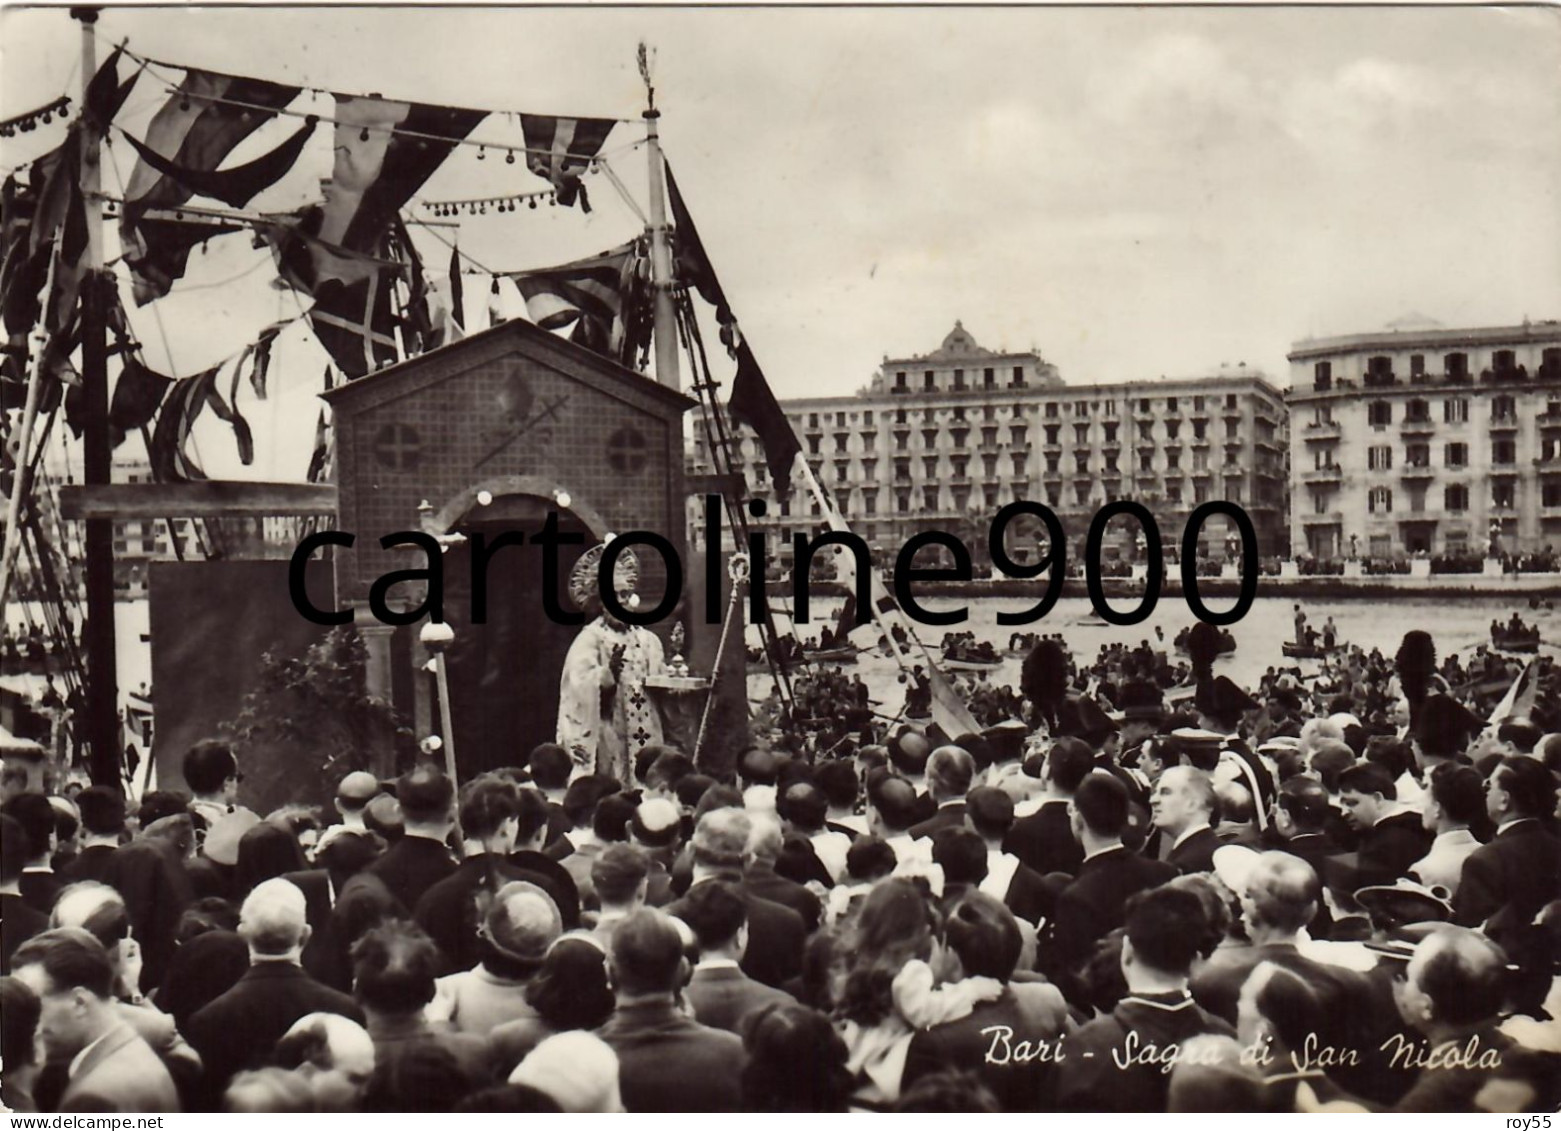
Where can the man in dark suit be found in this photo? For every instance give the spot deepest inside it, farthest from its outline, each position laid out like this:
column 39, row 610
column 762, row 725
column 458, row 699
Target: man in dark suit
column 990, row 814
column 720, row 994
column 950, row 770
column 1507, row 881
column 984, row 937
column 1279, row 896
column 1091, row 906
column 102, row 824
column 494, row 815
column 238, row 1030
column 1182, row 808
column 1163, row 930
column 1044, row 841
column 1453, row 994
column 421, row 858
column 765, row 842
column 38, row 883
column 666, row 1061
column 1390, row 842
column 776, row 933
column 111, row 1069
column 394, row 969
column 18, row 921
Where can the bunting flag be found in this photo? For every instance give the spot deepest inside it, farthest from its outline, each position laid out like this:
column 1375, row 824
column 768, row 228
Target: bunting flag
column 352, row 314
column 20, row 280
column 753, row 403
column 195, row 130
column 495, row 305
column 137, row 395
column 182, row 406
column 420, row 332
column 105, row 93
column 457, row 292
column 237, row 186
column 606, row 298
column 319, row 461
column 384, row 152
column 258, row 355
column 561, row 149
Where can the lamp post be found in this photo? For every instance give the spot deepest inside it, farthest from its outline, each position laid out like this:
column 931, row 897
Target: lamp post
column 437, row 637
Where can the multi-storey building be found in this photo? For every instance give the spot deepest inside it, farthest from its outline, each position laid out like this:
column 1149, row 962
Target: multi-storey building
column 1419, row 439
column 942, row 441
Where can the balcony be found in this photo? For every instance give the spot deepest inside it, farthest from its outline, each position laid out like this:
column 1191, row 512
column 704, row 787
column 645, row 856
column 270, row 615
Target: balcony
column 1199, row 441
column 1504, row 424
column 1201, row 473
column 1417, row 427
column 1327, row 518
column 1550, row 419
column 989, row 446
column 1318, row 433
column 1321, row 475
column 1413, row 471
column 1504, row 471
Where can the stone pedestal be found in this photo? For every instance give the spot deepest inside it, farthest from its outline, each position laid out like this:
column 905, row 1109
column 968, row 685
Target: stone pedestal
column 1289, row 570
column 1492, row 567
column 1230, row 571
column 1353, row 569
column 1420, row 567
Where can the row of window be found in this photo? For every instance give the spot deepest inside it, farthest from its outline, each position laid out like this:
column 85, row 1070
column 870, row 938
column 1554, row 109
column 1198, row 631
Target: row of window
column 1455, row 497
column 1455, row 365
column 1380, row 457
column 929, row 379
column 1018, row 435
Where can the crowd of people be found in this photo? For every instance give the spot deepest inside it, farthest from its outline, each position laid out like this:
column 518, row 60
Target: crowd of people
column 1337, row 895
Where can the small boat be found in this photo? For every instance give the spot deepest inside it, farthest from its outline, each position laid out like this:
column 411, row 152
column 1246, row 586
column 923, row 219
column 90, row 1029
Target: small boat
column 842, row 655
column 970, row 664
column 1515, row 641
column 1308, row 651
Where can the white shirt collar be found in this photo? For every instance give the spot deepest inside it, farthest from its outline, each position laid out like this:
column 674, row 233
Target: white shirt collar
column 1501, row 828
column 1102, row 851
column 1198, row 828
column 716, row 964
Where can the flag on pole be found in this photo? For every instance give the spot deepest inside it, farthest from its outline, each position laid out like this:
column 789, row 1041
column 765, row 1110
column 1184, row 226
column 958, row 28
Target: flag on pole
column 1518, row 703
column 753, row 403
column 561, row 149
column 949, row 711
column 693, row 265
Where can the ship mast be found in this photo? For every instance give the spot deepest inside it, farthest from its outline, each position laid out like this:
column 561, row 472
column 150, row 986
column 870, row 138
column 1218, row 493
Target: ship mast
column 102, row 685
column 666, row 335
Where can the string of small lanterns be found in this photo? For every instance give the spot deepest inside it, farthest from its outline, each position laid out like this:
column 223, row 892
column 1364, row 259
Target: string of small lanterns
column 43, row 115
column 479, row 206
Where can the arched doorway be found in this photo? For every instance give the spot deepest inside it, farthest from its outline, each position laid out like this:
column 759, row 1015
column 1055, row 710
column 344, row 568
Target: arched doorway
column 504, row 672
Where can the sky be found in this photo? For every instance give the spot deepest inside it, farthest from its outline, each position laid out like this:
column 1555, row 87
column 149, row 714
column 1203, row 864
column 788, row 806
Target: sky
column 1133, row 192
